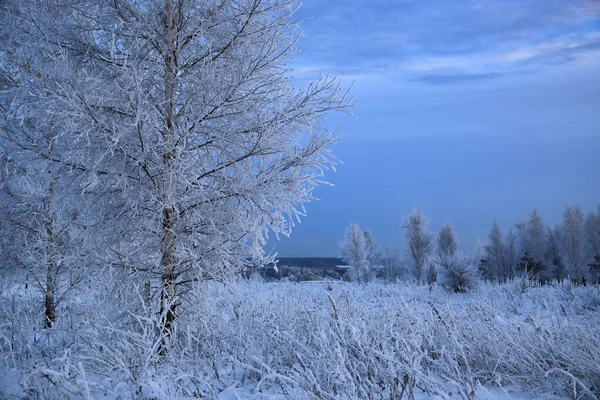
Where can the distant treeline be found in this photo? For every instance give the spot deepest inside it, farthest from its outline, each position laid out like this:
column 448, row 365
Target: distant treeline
column 304, row 269
column 569, row 250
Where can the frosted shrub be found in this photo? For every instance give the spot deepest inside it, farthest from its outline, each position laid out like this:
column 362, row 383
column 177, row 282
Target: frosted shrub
column 460, row 275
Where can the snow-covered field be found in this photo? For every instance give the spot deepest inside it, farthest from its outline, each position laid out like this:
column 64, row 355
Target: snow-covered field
column 335, row 340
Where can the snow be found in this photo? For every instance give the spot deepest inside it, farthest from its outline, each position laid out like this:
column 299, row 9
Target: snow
column 251, row 340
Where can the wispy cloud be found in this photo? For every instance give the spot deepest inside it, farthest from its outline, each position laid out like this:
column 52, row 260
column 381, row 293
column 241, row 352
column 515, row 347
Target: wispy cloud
column 445, row 42
column 449, row 79
column 561, row 48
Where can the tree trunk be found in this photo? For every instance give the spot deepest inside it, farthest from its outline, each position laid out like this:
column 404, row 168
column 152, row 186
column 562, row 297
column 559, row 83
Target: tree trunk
column 147, row 298
column 168, row 301
column 52, row 267
column 50, row 314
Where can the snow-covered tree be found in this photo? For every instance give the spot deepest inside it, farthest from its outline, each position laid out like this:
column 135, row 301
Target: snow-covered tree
column 45, row 240
column 532, row 237
column 42, row 226
column 495, row 251
column 391, row 264
column 553, row 254
column 447, row 245
column 355, row 250
column 573, row 242
column 458, row 273
column 592, row 233
column 372, row 247
column 181, row 113
column 511, row 256
column 419, row 240
column 536, row 235
column 461, row 275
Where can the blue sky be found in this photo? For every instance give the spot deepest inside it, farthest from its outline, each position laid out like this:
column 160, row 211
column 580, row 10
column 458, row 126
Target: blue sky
column 469, row 110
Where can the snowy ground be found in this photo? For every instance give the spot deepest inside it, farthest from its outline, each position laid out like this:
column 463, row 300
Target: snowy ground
column 336, row 340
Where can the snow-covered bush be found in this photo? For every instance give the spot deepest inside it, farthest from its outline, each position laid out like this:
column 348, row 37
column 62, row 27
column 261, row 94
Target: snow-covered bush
column 460, row 275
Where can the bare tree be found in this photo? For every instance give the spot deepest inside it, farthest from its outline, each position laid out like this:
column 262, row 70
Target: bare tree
column 532, row 237
column 45, row 239
column 553, row 253
column 419, row 240
column 573, row 242
column 592, row 233
column 536, row 235
column 496, row 252
column 510, row 254
column 391, row 264
column 462, row 275
column 501, row 254
column 355, row 250
column 182, row 113
column 372, row 247
column 458, row 274
column 447, row 245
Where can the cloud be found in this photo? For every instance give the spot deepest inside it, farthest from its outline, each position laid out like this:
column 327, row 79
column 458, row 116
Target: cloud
column 470, row 41
column 457, row 78
column 564, row 48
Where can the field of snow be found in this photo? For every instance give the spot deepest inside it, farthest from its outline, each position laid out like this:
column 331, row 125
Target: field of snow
column 334, row 340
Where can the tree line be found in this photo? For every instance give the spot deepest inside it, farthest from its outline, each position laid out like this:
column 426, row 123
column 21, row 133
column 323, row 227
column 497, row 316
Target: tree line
column 569, row 250
column 530, row 249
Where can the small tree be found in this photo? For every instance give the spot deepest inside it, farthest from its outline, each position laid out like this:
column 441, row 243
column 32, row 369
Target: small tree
column 501, row 254
column 495, row 251
column 419, row 241
column 461, row 275
column 458, row 274
column 592, row 233
column 529, row 266
column 354, row 250
column 553, row 254
column 595, row 269
column 372, row 247
column 45, row 240
column 532, row 238
column 391, row 265
column 573, row 243
column 447, row 245
column 510, row 254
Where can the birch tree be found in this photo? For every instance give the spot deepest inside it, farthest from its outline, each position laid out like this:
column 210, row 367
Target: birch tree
column 553, row 253
column 42, row 224
column 496, row 251
column 510, row 253
column 391, row 264
column 573, row 242
column 355, row 249
column 419, row 240
column 183, row 111
column 447, row 248
column 459, row 274
column 45, row 243
column 372, row 247
column 447, row 245
column 592, row 233
column 532, row 236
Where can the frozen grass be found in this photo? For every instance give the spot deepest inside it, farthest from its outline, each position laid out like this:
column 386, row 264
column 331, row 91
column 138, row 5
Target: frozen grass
column 313, row 340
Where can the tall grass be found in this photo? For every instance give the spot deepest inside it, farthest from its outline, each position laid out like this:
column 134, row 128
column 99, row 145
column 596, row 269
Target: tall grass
column 316, row 340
